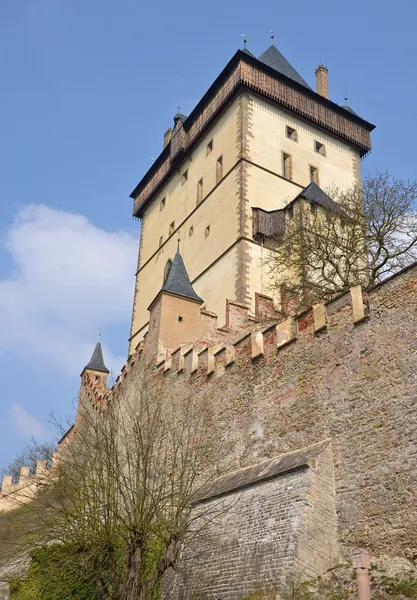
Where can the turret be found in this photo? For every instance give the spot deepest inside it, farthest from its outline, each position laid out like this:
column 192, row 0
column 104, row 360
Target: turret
column 175, row 317
column 96, row 367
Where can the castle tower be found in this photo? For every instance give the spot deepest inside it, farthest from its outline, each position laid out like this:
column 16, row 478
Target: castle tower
column 175, row 317
column 96, row 367
column 254, row 142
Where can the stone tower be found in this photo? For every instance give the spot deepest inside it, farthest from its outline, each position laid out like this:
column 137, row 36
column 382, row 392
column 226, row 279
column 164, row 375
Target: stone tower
column 255, row 142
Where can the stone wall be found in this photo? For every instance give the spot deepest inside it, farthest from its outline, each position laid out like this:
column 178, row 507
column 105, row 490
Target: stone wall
column 346, row 373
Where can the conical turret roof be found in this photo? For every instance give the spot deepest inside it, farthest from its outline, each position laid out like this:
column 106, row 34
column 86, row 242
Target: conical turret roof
column 274, row 59
column 96, row 361
column 177, row 281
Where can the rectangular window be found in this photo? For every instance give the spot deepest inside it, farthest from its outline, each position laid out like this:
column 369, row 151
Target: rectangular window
column 292, row 133
column 199, row 191
column 171, row 228
column 162, row 204
column 191, row 231
column 209, row 147
column 207, row 232
column 286, row 165
column 184, row 177
column 320, row 148
column 219, row 169
column 314, row 174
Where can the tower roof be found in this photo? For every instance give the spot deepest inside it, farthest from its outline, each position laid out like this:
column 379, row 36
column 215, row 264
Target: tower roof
column 274, row 59
column 96, row 361
column 314, row 193
column 177, row 281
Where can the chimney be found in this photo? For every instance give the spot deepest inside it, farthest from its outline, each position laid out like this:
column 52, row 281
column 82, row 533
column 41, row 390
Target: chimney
column 167, row 136
column 322, row 81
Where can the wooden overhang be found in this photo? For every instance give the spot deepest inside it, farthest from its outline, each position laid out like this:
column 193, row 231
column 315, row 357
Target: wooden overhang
column 244, row 71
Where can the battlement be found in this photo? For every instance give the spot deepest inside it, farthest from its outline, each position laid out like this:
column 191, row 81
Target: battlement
column 245, row 336
column 14, row 494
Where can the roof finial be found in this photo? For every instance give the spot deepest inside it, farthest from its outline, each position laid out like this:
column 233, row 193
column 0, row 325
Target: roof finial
column 99, row 334
column 346, row 97
column 178, row 246
column 272, row 37
column 244, row 40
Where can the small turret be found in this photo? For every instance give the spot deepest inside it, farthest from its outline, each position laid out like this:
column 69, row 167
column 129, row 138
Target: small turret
column 175, row 317
column 96, row 366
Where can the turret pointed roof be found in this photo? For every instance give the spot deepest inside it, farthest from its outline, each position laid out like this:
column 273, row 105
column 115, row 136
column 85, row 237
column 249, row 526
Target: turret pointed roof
column 96, row 361
column 177, row 281
column 274, row 59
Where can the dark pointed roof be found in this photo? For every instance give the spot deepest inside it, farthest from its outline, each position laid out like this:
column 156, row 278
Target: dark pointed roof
column 274, row 59
column 346, row 107
column 177, row 281
column 96, row 362
column 246, row 51
column 179, row 117
column 314, row 193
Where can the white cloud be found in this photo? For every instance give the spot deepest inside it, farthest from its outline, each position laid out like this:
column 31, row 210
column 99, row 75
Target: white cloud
column 25, row 424
column 69, row 278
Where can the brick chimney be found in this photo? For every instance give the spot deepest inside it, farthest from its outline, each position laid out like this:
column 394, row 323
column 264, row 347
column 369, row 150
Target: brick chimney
column 322, row 81
column 167, row 136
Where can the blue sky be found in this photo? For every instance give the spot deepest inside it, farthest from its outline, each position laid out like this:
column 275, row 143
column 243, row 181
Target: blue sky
column 88, row 88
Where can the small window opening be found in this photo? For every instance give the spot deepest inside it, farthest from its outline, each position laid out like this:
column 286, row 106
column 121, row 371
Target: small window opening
column 191, row 231
column 219, row 169
column 180, row 318
column 209, row 147
column 199, row 191
column 286, row 165
column 97, row 377
column 207, row 232
column 162, row 204
column 167, row 268
column 171, row 228
column 161, row 240
column 314, row 175
column 320, row 148
column 292, row 133
column 184, row 177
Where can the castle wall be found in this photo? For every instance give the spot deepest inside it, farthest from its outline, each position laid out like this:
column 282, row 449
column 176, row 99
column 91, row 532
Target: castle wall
column 343, row 373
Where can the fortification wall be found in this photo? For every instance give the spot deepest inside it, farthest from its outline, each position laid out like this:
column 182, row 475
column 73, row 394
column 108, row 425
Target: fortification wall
column 344, row 372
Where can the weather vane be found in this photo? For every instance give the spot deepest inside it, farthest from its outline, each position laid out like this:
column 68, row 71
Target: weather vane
column 272, row 37
column 346, row 97
column 99, row 334
column 244, row 40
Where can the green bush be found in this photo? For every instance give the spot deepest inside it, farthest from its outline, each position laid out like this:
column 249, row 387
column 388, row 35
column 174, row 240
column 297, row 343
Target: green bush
column 56, row 572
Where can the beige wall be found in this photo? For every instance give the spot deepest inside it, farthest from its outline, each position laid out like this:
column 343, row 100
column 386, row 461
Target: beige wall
column 256, row 129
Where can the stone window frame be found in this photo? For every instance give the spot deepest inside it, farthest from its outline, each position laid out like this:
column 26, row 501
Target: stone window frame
column 219, row 169
column 184, row 177
column 162, row 203
column 209, row 147
column 200, row 191
column 319, row 148
column 171, row 229
column 286, row 165
column 313, row 174
column 291, row 133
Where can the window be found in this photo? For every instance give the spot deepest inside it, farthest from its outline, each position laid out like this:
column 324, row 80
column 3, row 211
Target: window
column 219, row 169
column 191, row 231
column 161, row 240
column 167, row 269
column 286, row 166
column 314, row 175
column 320, row 148
column 207, row 232
column 171, row 228
column 292, row 133
column 184, row 177
column 209, row 147
column 162, row 204
column 199, row 191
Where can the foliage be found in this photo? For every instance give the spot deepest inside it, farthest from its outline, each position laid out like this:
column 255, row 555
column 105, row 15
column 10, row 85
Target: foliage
column 323, row 252
column 57, row 572
column 123, row 488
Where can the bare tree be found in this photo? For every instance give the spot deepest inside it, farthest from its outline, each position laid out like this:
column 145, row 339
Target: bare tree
column 324, row 251
column 33, row 452
column 124, row 488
